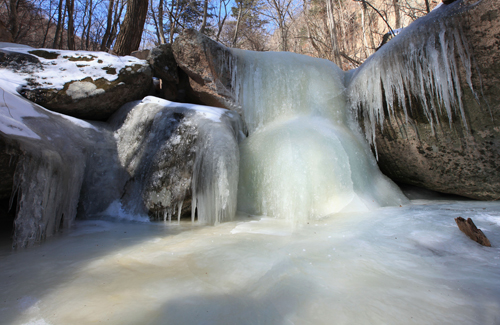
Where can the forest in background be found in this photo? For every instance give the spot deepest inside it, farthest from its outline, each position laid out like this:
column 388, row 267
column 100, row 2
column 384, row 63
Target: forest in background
column 343, row 31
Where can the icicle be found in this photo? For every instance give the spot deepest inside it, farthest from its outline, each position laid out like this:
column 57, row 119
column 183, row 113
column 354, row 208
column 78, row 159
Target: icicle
column 419, row 62
column 179, row 212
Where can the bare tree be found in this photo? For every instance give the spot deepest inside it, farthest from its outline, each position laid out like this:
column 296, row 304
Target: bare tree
column 204, row 19
column 281, row 12
column 221, row 18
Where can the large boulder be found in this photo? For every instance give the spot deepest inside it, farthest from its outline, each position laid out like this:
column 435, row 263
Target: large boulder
column 208, row 65
column 88, row 85
column 430, row 101
column 180, row 158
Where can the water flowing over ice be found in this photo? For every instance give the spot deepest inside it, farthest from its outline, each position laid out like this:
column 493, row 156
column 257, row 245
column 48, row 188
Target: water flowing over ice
column 305, row 156
column 419, row 62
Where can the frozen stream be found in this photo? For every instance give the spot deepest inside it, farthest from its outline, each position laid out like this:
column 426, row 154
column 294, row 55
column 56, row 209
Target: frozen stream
column 395, row 265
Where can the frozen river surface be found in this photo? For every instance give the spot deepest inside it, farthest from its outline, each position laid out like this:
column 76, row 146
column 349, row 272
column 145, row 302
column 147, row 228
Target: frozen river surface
column 398, row 265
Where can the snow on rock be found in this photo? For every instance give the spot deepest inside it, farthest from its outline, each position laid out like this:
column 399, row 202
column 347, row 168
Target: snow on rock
column 180, row 158
column 90, row 85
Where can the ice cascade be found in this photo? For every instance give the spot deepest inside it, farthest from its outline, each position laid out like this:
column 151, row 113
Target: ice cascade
column 305, row 156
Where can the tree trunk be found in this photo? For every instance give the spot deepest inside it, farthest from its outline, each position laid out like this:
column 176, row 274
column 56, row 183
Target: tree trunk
column 71, row 28
column 114, row 28
column 84, row 29
column 59, row 23
column 237, row 27
column 333, row 33
column 220, row 23
column 60, row 45
column 129, row 37
column 160, row 23
column 13, row 19
column 109, row 22
column 397, row 13
column 205, row 13
column 51, row 16
column 87, row 39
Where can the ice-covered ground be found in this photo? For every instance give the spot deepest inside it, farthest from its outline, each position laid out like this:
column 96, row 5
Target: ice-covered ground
column 395, row 265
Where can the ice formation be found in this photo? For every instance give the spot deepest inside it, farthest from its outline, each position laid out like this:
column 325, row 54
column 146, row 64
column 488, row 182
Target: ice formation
column 305, row 156
column 50, row 170
column 420, row 62
column 171, row 150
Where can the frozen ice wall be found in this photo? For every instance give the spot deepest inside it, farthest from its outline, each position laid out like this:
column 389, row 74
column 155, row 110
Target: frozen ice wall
column 174, row 151
column 304, row 157
column 420, row 62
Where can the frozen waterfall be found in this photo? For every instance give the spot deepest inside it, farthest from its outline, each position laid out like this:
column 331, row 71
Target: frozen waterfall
column 305, row 156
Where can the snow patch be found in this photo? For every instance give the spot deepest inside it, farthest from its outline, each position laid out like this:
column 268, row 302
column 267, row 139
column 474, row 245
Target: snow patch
column 83, row 89
column 69, row 66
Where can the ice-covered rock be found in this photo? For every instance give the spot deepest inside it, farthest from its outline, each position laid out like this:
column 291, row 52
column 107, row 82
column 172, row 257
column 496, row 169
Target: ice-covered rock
column 429, row 101
column 154, row 157
column 180, row 158
column 89, row 85
column 43, row 161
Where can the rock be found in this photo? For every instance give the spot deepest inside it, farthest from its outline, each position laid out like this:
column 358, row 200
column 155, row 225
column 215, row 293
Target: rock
column 469, row 228
column 142, row 55
column 88, row 85
column 162, row 61
column 207, row 63
column 174, row 153
column 448, row 157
